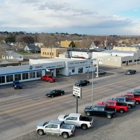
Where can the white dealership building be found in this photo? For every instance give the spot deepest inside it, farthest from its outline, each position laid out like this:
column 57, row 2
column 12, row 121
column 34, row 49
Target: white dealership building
column 39, row 67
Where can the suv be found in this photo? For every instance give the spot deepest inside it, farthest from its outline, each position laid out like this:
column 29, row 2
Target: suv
column 100, row 72
column 130, row 72
column 81, row 83
column 17, row 84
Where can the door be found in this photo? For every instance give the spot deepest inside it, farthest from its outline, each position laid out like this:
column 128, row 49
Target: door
column 95, row 111
column 48, row 128
column 71, row 120
column 54, row 129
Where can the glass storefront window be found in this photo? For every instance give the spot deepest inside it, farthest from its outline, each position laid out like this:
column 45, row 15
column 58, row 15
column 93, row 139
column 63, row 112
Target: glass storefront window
column 17, row 76
column 9, row 78
column 39, row 73
column 25, row 76
column 32, row 74
column 2, row 79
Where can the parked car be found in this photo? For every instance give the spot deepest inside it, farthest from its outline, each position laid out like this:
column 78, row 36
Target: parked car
column 131, row 96
column 130, row 72
column 130, row 103
column 81, row 83
column 136, row 92
column 17, row 84
column 100, row 72
column 100, row 110
column 48, row 78
column 54, row 93
column 55, row 127
column 119, row 106
column 78, row 120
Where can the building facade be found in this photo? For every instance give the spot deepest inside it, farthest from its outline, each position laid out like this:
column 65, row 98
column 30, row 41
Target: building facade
column 52, row 52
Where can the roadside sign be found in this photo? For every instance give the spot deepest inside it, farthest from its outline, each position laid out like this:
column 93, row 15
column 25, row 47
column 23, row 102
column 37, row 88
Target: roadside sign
column 77, row 91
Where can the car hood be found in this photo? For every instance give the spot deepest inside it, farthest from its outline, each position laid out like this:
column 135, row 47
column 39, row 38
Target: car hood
column 61, row 117
column 41, row 124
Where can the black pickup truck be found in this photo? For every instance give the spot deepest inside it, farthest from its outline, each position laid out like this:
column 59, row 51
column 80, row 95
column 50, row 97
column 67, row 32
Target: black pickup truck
column 100, row 110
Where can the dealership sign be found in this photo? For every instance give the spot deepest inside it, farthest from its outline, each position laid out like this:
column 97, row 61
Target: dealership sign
column 77, row 91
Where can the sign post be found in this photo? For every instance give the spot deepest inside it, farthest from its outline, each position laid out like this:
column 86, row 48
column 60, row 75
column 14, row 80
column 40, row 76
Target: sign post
column 77, row 92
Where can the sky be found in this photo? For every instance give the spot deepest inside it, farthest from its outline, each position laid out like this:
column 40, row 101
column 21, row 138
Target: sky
column 91, row 17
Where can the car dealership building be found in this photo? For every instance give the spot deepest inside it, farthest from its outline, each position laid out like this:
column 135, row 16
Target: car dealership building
column 39, row 67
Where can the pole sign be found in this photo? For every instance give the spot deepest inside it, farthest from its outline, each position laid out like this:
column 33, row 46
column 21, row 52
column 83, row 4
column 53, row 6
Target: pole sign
column 77, row 91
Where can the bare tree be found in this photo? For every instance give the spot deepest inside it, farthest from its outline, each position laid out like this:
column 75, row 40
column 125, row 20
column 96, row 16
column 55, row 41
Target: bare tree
column 2, row 50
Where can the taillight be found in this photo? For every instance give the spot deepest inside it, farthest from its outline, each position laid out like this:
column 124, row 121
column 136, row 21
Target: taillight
column 71, row 131
column 90, row 123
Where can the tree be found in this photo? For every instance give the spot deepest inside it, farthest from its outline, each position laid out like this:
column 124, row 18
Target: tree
column 10, row 38
column 28, row 39
column 2, row 50
column 72, row 44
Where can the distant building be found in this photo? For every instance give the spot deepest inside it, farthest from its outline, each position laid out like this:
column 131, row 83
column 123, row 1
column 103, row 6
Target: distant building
column 52, row 52
column 12, row 55
column 32, row 49
column 126, row 48
column 66, row 43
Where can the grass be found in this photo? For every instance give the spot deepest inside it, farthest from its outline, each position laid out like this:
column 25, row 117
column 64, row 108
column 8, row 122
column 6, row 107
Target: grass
column 23, row 53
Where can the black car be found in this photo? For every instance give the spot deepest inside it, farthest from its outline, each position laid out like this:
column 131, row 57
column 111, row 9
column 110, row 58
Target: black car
column 17, row 84
column 130, row 72
column 81, row 83
column 54, row 93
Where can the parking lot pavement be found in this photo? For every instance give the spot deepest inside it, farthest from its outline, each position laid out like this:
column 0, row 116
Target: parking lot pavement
column 123, row 127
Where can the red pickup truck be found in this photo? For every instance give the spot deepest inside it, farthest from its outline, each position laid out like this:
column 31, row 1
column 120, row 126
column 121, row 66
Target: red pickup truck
column 48, row 78
column 130, row 96
column 119, row 106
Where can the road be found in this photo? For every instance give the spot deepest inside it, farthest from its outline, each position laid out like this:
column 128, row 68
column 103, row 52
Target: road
column 21, row 110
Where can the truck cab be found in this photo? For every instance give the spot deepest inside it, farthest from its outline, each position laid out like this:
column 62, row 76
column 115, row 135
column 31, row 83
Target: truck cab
column 119, row 106
column 131, row 96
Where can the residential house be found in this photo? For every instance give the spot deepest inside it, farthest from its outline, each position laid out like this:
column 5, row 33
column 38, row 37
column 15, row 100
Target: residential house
column 32, row 49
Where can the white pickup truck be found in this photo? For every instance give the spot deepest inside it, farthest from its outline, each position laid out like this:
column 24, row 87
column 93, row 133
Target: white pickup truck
column 78, row 120
column 55, row 127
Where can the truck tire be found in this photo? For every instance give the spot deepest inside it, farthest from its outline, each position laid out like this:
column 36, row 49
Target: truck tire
column 108, row 116
column 65, row 135
column 129, row 106
column 84, row 126
column 137, row 102
column 52, row 96
column 40, row 132
column 121, row 111
column 88, row 113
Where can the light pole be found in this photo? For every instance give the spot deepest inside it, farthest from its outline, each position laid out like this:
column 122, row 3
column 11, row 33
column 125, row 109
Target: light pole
column 92, row 85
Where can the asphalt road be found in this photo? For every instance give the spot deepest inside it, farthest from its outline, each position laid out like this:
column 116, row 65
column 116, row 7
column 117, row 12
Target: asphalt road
column 21, row 110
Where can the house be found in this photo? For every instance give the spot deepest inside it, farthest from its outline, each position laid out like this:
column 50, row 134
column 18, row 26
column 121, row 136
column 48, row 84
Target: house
column 32, row 49
column 12, row 55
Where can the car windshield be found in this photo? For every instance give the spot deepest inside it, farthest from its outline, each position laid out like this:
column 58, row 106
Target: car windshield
column 16, row 82
column 52, row 91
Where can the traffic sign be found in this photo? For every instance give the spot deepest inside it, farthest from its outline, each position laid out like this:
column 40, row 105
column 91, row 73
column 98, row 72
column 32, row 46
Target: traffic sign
column 77, row 91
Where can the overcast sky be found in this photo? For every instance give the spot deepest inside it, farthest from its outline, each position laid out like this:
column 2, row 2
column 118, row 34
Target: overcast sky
column 96, row 17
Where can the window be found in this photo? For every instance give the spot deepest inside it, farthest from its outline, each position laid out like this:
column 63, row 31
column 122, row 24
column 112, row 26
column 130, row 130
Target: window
column 39, row 73
column 2, row 79
column 95, row 108
column 74, row 118
column 124, row 62
column 25, row 76
column 54, row 126
column 80, row 70
column 70, row 118
column 9, row 78
column 130, row 61
column 17, row 76
column 49, row 126
column 32, row 74
column 73, row 70
column 101, row 109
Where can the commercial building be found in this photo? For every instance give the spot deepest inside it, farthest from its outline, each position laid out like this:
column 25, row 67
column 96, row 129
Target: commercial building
column 39, row 67
column 52, row 52
column 66, row 43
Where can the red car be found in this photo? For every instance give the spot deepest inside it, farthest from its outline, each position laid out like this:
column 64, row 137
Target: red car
column 130, row 96
column 119, row 106
column 48, row 78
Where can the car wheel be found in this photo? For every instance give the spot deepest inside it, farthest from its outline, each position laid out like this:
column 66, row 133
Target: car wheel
column 50, row 81
column 84, row 126
column 65, row 135
column 80, row 85
column 40, row 132
column 121, row 111
column 52, row 96
column 137, row 102
column 87, row 84
column 62, row 93
column 88, row 113
column 129, row 106
column 109, row 116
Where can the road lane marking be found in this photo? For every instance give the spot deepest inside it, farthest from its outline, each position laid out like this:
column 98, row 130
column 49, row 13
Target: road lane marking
column 42, row 102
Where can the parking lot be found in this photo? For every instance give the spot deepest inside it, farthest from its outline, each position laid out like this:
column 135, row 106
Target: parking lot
column 123, row 126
